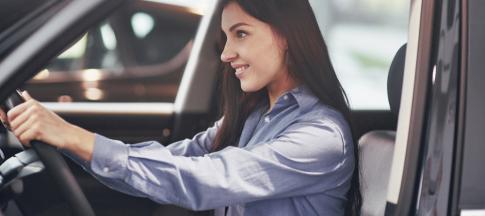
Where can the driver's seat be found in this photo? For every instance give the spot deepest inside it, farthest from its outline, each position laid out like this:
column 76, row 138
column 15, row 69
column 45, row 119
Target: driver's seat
column 377, row 147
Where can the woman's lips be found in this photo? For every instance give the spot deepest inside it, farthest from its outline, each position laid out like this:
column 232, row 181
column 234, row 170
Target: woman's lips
column 240, row 71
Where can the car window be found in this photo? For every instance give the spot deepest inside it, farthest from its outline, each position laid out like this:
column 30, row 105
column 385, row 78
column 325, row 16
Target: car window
column 363, row 37
column 138, row 54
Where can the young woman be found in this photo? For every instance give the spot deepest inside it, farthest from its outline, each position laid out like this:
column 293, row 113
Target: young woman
column 282, row 147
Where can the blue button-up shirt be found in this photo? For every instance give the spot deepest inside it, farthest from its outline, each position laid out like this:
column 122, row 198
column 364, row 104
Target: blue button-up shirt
column 296, row 159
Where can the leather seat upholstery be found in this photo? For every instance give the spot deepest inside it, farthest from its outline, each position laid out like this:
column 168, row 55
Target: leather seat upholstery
column 376, row 148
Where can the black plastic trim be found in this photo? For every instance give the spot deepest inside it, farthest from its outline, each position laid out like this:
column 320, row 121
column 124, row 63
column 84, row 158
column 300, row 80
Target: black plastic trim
column 454, row 208
column 390, row 209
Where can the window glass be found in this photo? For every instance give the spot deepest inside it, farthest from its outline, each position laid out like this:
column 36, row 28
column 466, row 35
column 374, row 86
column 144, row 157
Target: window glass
column 363, row 37
column 138, row 54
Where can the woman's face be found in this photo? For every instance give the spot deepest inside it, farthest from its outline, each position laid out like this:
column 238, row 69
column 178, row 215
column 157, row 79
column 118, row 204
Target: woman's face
column 254, row 50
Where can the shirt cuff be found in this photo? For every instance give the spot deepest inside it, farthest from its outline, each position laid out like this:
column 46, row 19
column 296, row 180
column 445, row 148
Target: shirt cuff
column 110, row 157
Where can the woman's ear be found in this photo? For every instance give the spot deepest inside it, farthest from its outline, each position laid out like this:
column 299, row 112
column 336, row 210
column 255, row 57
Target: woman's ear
column 283, row 43
column 280, row 40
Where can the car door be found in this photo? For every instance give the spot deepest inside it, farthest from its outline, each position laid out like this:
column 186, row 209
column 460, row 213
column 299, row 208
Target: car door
column 437, row 167
column 469, row 196
column 425, row 133
column 127, row 75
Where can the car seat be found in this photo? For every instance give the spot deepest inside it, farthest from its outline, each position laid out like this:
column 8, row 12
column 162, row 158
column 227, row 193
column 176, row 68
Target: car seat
column 376, row 148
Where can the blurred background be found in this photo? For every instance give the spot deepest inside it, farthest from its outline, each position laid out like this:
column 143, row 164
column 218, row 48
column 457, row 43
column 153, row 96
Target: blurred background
column 363, row 37
column 139, row 53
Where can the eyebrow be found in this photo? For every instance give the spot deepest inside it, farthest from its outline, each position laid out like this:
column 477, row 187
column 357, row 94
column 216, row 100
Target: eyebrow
column 237, row 25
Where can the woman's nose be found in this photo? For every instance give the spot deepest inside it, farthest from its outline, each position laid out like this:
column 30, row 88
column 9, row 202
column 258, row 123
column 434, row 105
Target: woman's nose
column 228, row 55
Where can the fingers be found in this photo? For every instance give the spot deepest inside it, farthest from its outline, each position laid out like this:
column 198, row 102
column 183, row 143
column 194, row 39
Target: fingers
column 24, row 119
column 31, row 112
column 19, row 109
column 26, row 95
column 28, row 136
column 4, row 120
column 27, row 131
column 22, row 123
column 3, row 117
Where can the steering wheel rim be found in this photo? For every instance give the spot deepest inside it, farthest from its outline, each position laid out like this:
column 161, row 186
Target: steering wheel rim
column 57, row 168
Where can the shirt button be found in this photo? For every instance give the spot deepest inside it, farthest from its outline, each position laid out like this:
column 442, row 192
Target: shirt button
column 266, row 119
column 285, row 97
column 106, row 169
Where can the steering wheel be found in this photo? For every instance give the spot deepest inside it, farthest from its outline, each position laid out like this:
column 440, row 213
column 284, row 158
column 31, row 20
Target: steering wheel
column 56, row 167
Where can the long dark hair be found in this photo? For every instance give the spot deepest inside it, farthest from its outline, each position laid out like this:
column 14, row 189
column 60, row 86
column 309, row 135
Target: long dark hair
column 308, row 63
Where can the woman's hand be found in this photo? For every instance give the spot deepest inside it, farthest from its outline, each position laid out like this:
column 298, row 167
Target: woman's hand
column 32, row 121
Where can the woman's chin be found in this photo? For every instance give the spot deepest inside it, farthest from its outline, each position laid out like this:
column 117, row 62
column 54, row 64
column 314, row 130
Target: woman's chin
column 249, row 88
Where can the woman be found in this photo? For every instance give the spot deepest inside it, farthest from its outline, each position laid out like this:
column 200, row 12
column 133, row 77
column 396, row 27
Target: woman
column 283, row 146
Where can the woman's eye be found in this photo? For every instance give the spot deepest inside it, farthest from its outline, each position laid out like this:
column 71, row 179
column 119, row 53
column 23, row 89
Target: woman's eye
column 241, row 34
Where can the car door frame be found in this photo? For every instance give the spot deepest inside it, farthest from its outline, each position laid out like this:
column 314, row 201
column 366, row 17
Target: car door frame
column 426, row 36
column 412, row 112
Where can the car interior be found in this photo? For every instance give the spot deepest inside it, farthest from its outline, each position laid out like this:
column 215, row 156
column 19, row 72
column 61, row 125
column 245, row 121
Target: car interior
column 376, row 147
column 194, row 108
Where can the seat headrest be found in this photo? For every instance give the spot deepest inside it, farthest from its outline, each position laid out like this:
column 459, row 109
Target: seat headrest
column 394, row 79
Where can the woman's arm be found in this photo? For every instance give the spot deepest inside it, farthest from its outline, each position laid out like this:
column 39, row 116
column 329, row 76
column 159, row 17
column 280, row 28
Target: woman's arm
column 32, row 121
column 199, row 145
column 309, row 157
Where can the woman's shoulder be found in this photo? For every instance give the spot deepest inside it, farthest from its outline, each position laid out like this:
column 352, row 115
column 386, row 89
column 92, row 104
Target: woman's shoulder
column 323, row 115
column 322, row 112
column 311, row 108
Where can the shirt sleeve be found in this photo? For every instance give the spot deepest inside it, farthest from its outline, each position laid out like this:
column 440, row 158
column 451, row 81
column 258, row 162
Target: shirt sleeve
column 199, row 145
column 309, row 157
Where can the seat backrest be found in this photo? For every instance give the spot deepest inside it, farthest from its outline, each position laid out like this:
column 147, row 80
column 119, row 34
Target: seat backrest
column 376, row 148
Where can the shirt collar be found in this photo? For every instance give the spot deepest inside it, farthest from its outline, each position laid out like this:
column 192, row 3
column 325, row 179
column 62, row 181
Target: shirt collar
column 303, row 96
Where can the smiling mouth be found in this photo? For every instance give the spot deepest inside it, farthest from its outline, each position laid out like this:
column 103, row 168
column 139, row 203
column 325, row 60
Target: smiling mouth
column 240, row 70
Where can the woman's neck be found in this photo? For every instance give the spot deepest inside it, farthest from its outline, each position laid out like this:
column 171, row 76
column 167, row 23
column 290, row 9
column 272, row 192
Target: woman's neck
column 276, row 89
